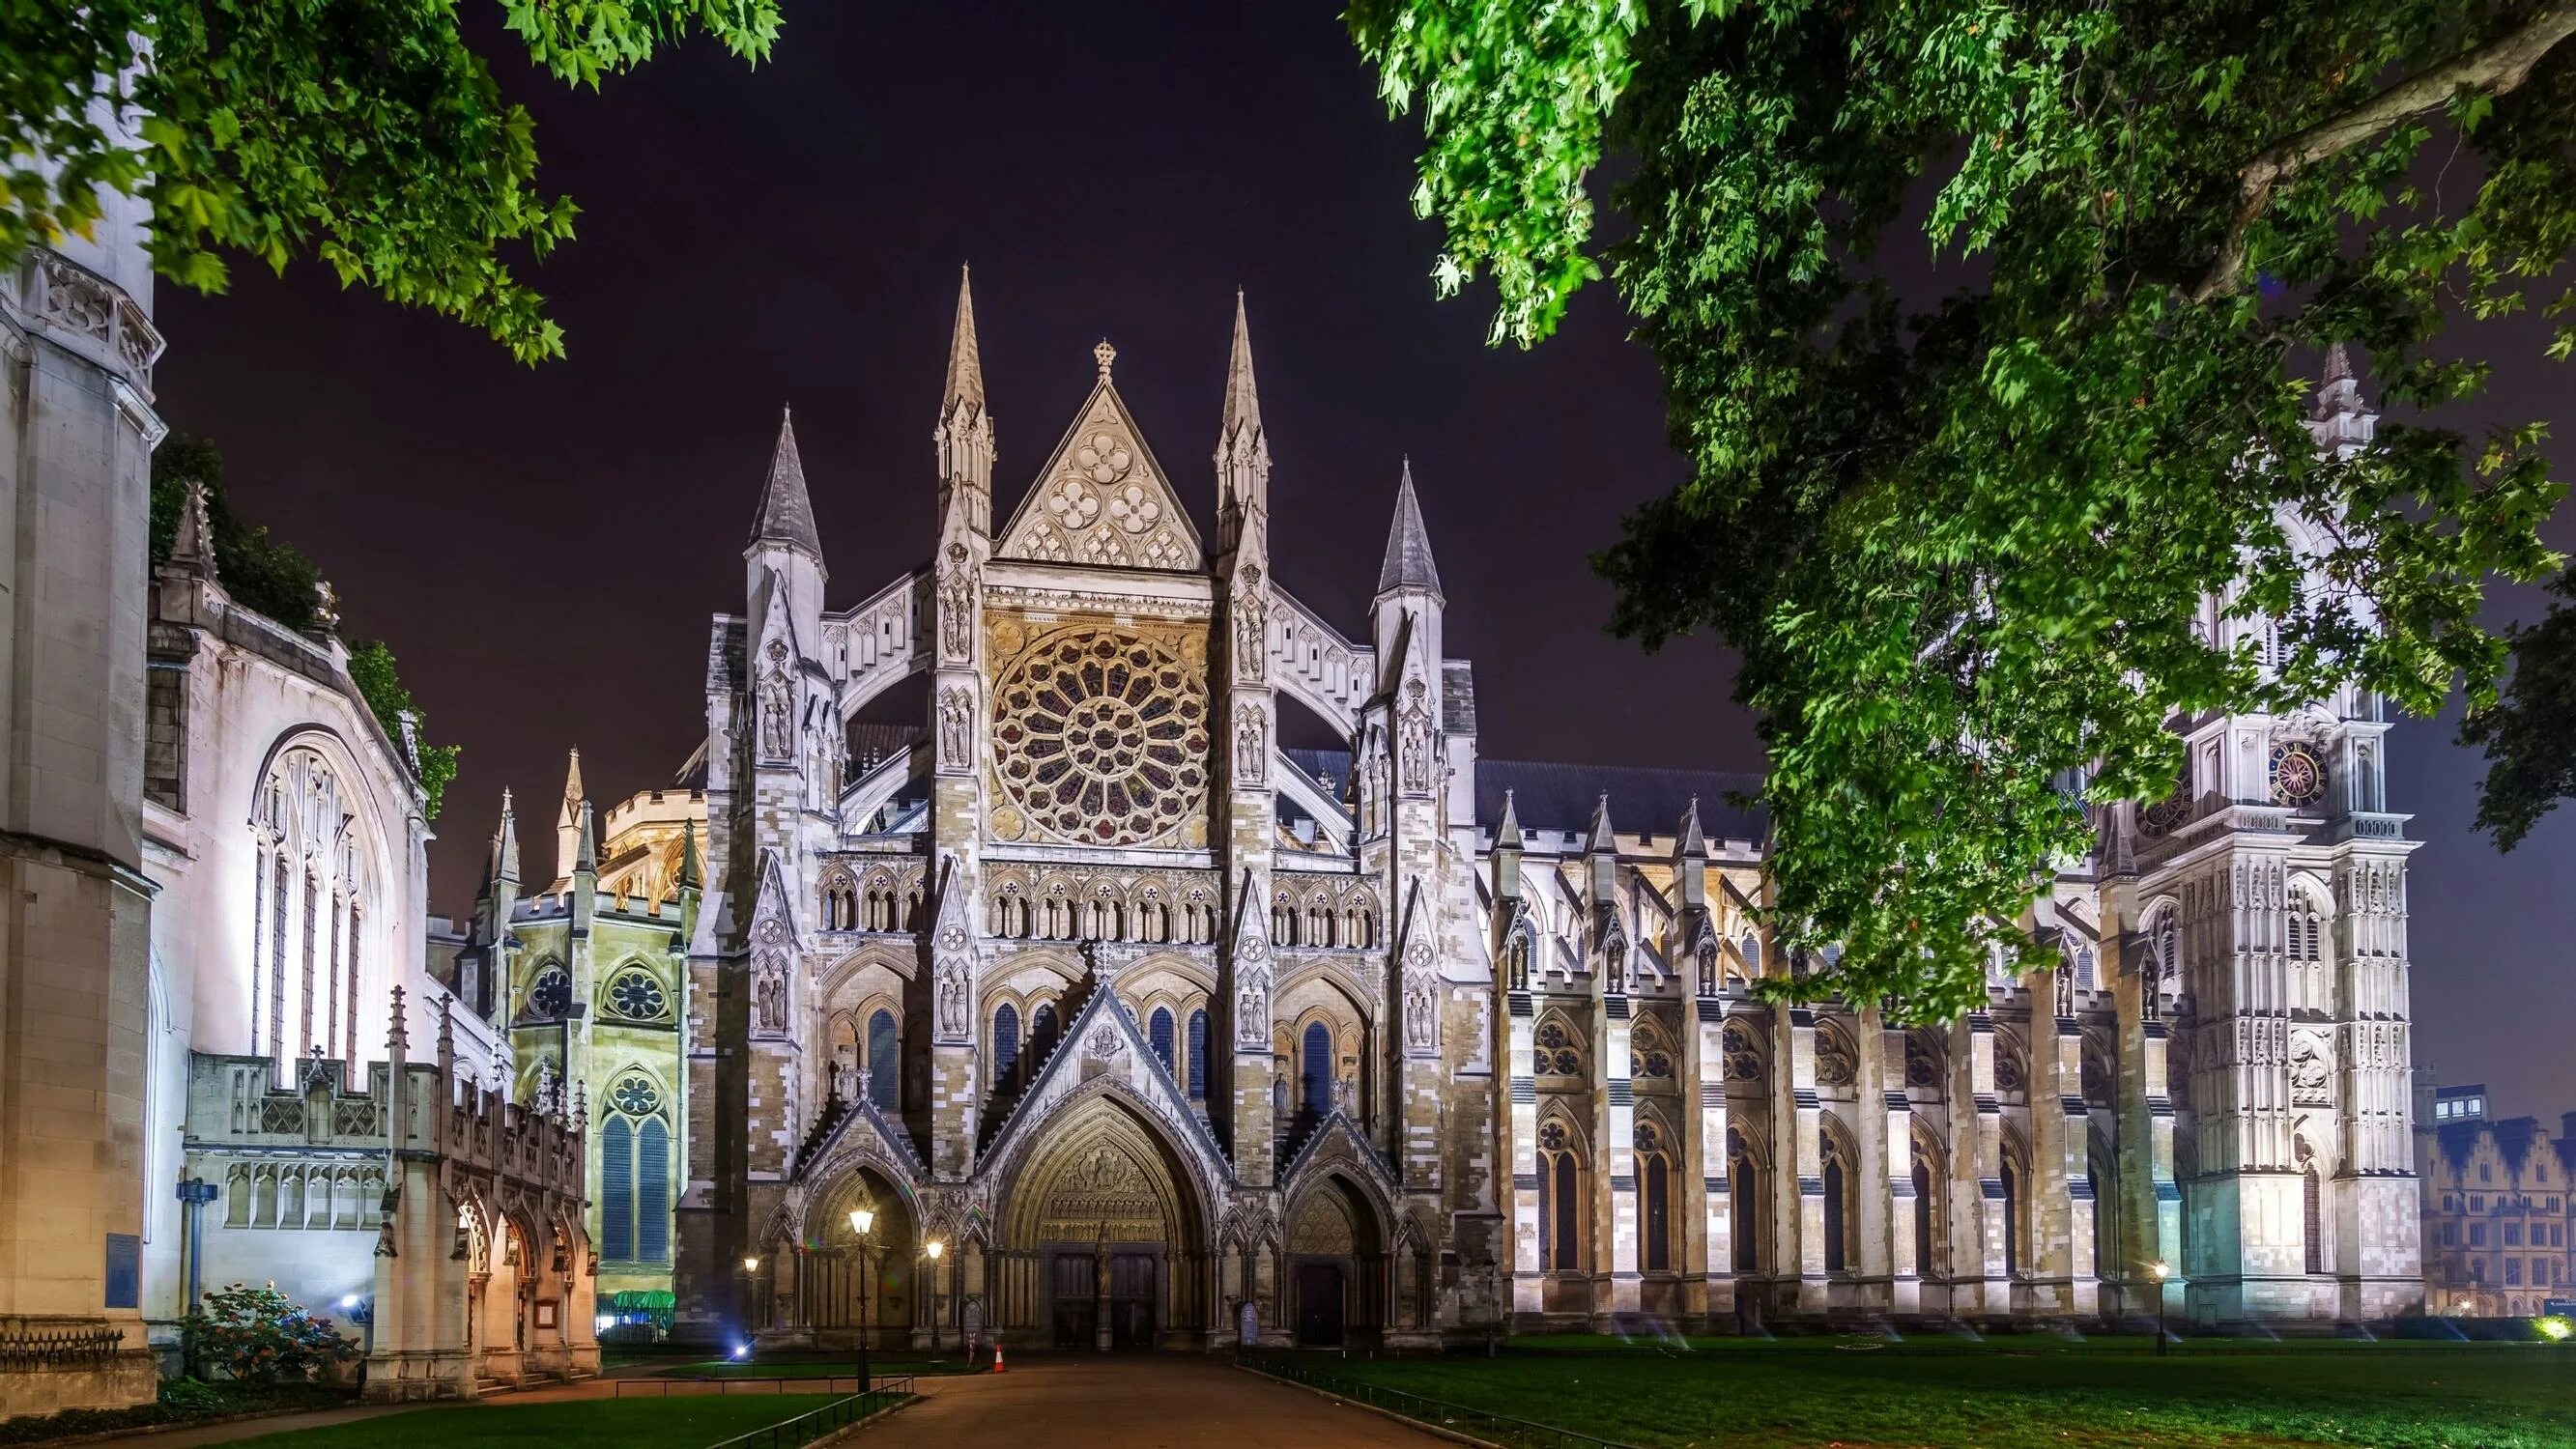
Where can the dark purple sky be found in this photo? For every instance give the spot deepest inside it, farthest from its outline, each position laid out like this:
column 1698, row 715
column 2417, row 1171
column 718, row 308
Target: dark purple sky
column 542, row 548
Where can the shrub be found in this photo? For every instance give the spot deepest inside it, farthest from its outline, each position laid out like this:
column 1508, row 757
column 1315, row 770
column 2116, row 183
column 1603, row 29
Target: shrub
column 259, row 1337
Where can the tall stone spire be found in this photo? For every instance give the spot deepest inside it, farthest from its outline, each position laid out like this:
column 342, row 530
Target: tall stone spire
column 568, row 817
column 1242, row 448
column 965, row 430
column 2340, row 419
column 786, row 518
column 965, row 361
column 1408, row 548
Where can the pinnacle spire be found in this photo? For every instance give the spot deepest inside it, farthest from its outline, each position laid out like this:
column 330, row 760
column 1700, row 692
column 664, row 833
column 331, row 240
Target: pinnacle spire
column 573, row 793
column 1242, row 396
column 2338, row 364
column 965, row 358
column 1691, row 844
column 786, row 516
column 586, row 857
column 505, row 843
column 1507, row 835
column 688, row 872
column 1601, row 839
column 1408, row 547
column 193, row 550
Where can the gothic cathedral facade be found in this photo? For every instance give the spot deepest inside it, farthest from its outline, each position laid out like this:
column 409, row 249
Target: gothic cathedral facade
column 1116, row 1021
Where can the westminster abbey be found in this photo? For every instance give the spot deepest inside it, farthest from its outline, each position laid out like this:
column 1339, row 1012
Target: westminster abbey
column 1117, row 1022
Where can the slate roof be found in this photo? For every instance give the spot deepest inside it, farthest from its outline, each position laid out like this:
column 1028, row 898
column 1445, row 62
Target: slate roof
column 1553, row 795
column 1408, row 548
column 786, row 512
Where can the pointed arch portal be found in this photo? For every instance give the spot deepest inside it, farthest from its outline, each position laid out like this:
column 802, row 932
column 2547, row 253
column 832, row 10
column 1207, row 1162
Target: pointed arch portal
column 1106, row 1244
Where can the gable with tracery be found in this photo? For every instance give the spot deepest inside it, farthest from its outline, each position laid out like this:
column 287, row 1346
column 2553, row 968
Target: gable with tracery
column 1102, row 500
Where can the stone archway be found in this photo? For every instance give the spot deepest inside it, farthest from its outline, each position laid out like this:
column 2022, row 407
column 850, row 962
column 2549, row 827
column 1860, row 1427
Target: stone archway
column 1105, row 1241
column 847, row 1287
column 1337, row 1276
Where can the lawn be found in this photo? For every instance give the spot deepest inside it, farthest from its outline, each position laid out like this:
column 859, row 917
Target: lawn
column 686, row 1422
column 2013, row 1393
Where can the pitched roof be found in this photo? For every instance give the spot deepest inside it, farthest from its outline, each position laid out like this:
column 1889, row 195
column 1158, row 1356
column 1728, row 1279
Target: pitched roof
column 786, row 512
column 1552, row 795
column 1408, row 548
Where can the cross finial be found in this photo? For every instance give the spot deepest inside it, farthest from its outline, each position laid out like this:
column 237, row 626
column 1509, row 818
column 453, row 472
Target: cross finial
column 1106, row 355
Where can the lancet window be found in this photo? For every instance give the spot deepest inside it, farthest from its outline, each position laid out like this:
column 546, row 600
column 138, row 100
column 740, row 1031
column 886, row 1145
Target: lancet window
column 311, row 875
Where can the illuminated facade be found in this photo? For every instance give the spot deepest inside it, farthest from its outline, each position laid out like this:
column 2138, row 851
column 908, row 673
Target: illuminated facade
column 1169, row 1033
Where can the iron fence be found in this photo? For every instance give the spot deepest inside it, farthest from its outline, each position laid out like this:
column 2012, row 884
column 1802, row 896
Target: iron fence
column 839, row 1414
column 1463, row 1419
column 659, row 1385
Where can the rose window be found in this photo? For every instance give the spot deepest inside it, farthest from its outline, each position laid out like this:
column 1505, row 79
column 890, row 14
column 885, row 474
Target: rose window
column 1101, row 736
column 636, row 996
column 2173, row 810
column 551, row 996
column 634, row 1096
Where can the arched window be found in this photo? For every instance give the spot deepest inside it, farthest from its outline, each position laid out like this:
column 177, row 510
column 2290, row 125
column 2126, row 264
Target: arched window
column 2311, row 1210
column 1158, row 1034
column 1198, row 1046
column 1042, row 1030
column 1742, row 1205
column 653, row 1192
column 1835, row 1216
column 617, row 1190
column 1006, row 1044
column 1654, row 1177
column 1560, row 1205
column 1922, row 1217
column 308, row 890
column 885, row 1061
column 2012, row 1218
column 635, row 1174
column 1315, row 1069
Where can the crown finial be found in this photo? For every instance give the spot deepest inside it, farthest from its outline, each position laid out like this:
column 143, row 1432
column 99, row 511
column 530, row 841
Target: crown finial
column 1105, row 355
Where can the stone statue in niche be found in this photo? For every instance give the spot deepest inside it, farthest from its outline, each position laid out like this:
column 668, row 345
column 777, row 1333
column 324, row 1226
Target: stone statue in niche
column 769, row 995
column 957, row 606
column 952, row 995
column 777, row 727
column 1421, row 1000
column 1251, row 746
column 1251, row 627
column 956, row 727
column 1415, row 731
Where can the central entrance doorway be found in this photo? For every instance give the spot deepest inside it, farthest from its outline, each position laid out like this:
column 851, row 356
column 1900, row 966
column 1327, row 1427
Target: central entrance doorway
column 1319, row 1305
column 1114, row 1255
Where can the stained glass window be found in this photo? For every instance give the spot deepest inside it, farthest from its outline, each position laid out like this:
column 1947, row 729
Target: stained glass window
column 635, row 995
column 1101, row 736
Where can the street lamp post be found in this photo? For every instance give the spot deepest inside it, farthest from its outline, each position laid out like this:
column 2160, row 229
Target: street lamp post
column 861, row 1219
column 2158, row 1270
column 750, row 1296
column 934, row 1248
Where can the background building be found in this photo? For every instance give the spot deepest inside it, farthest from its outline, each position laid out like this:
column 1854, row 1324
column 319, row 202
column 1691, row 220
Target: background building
column 2499, row 1202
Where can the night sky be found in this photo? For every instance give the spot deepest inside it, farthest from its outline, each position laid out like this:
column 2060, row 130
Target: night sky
column 542, row 548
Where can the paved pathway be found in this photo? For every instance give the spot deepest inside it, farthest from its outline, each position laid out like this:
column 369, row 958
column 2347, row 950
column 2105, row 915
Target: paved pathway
column 1139, row 1401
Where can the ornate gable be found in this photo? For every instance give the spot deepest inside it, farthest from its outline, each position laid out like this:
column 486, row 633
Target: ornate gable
column 1102, row 500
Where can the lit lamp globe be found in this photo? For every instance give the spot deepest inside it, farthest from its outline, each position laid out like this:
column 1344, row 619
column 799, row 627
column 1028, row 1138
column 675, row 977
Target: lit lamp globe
column 861, row 1219
column 934, row 1248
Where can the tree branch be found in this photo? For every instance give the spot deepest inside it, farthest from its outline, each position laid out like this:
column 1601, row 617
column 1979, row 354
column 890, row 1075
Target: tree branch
column 2496, row 67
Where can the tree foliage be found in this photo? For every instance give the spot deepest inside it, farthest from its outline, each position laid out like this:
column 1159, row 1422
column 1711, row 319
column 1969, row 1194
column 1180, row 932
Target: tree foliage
column 2529, row 734
column 363, row 133
column 1968, row 544
column 259, row 1336
column 273, row 577
column 259, row 570
column 371, row 667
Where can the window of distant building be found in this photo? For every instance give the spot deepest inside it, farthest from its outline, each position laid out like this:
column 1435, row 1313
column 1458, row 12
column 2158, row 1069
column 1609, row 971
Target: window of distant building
column 2477, row 1235
column 2513, row 1235
column 2513, row 1270
column 2450, row 1234
column 2486, row 1172
column 2477, row 1202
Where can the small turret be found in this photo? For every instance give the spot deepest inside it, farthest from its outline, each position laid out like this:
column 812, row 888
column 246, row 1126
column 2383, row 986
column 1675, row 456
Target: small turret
column 1242, row 446
column 1601, row 852
column 568, row 818
column 1508, row 845
column 965, row 431
column 2340, row 420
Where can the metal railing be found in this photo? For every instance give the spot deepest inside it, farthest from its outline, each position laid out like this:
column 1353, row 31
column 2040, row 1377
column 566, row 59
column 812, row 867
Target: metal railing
column 1464, row 1419
column 839, row 1414
column 720, row 1384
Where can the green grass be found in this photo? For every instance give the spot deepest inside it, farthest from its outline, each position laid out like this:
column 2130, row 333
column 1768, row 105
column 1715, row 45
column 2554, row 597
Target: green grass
column 690, row 1421
column 2012, row 1393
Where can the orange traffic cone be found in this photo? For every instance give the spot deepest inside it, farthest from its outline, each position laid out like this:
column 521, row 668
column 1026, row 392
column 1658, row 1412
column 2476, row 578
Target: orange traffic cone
column 997, row 1358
